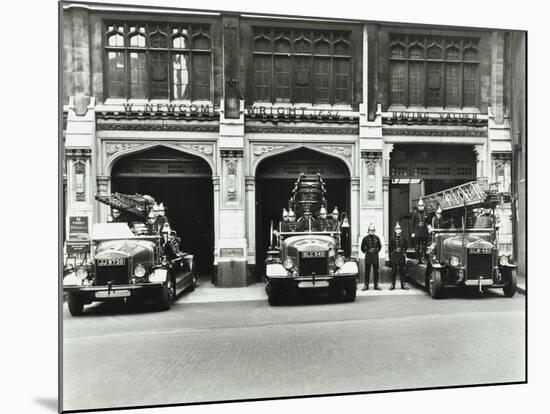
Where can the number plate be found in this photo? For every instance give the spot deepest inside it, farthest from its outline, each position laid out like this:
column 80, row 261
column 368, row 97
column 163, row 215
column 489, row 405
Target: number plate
column 477, row 250
column 319, row 284
column 111, row 262
column 314, row 254
column 112, row 294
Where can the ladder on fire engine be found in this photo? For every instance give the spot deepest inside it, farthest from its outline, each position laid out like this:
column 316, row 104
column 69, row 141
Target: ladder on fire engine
column 473, row 193
column 135, row 204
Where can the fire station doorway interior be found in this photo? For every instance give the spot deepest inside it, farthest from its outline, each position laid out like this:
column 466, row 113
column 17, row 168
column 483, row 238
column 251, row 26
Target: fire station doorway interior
column 183, row 183
column 275, row 178
column 418, row 170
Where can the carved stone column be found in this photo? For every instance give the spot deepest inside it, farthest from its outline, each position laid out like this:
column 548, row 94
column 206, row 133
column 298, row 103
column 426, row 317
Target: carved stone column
column 216, row 190
column 501, row 165
column 103, row 188
column 386, row 194
column 250, row 190
column 355, row 219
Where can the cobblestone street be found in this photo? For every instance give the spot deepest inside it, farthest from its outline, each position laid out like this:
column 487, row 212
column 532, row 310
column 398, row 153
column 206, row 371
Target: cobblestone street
column 247, row 349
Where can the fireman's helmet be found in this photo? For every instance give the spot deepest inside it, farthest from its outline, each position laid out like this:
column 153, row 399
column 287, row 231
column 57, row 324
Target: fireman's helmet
column 371, row 228
column 166, row 229
column 155, row 207
column 397, row 228
column 420, row 205
column 439, row 211
column 151, row 216
column 291, row 214
column 323, row 210
column 285, row 213
column 335, row 211
column 161, row 207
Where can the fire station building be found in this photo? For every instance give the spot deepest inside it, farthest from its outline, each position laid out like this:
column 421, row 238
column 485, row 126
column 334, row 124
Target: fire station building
column 217, row 114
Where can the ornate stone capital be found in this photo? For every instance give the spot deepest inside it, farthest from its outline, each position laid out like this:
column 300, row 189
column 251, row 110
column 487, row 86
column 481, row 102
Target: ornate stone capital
column 78, row 152
column 501, row 156
column 371, row 155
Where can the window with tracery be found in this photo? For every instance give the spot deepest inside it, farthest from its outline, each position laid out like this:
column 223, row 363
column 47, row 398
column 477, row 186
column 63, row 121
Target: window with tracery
column 301, row 66
column 434, row 71
column 157, row 61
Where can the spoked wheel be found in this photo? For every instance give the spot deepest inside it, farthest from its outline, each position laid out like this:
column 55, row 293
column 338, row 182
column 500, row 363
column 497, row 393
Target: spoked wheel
column 511, row 280
column 436, row 284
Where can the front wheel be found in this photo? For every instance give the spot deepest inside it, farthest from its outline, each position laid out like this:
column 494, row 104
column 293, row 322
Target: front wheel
column 273, row 296
column 166, row 296
column 436, row 284
column 511, row 280
column 76, row 305
column 351, row 291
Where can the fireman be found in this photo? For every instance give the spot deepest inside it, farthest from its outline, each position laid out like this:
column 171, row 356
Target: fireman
column 283, row 226
column 420, row 226
column 167, row 246
column 323, row 224
column 398, row 248
column 306, row 222
column 335, row 224
column 117, row 217
column 292, row 225
column 161, row 218
column 437, row 220
column 371, row 246
column 151, row 228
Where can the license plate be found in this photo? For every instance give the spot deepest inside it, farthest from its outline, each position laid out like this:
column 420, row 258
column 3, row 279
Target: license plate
column 111, row 262
column 480, row 251
column 112, row 294
column 319, row 284
column 314, row 254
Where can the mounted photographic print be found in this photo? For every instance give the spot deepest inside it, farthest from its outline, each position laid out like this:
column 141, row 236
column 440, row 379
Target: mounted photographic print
column 259, row 206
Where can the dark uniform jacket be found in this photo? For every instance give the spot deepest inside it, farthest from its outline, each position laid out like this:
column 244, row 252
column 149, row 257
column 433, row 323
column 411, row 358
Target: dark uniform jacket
column 371, row 246
column 398, row 248
column 285, row 226
column 292, row 226
column 323, row 224
column 305, row 224
column 420, row 225
column 334, row 224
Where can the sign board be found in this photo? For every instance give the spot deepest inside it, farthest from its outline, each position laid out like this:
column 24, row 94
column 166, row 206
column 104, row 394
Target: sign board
column 78, row 227
column 229, row 252
column 77, row 247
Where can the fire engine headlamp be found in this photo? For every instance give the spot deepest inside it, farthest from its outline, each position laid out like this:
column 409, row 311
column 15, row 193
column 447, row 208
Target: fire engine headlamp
column 288, row 263
column 164, row 261
column 81, row 273
column 339, row 261
column 139, row 271
column 454, row 261
column 503, row 260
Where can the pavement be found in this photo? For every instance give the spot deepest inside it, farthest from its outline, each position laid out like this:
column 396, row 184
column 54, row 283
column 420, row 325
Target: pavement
column 131, row 355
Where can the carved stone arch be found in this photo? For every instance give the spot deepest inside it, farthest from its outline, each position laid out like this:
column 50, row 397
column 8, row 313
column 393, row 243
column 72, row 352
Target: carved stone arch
column 203, row 151
column 336, row 151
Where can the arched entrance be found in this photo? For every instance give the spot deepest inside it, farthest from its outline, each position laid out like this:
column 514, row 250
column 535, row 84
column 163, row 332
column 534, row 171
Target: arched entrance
column 183, row 182
column 275, row 177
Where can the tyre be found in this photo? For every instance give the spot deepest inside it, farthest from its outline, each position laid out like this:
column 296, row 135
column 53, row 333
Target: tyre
column 436, row 284
column 351, row 291
column 273, row 296
column 76, row 305
column 511, row 282
column 166, row 296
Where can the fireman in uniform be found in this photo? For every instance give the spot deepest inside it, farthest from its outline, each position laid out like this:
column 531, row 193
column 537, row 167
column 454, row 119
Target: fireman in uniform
column 166, row 244
column 420, row 225
column 323, row 224
column 117, row 217
column 151, row 228
column 398, row 247
column 161, row 218
column 371, row 246
column 335, row 224
column 306, row 222
column 292, row 225
column 284, row 223
column 437, row 220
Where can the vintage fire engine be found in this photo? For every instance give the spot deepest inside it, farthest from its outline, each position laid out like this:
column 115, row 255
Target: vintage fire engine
column 310, row 257
column 464, row 249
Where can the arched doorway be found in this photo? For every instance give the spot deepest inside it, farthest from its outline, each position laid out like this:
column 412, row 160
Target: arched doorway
column 183, row 182
column 275, row 177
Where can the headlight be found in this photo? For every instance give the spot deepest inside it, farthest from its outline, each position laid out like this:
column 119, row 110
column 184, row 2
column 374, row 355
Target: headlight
column 339, row 261
column 139, row 271
column 288, row 263
column 164, row 261
column 454, row 261
column 81, row 273
column 503, row 260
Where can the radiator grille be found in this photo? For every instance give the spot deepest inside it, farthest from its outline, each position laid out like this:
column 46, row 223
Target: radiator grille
column 317, row 265
column 479, row 265
column 117, row 274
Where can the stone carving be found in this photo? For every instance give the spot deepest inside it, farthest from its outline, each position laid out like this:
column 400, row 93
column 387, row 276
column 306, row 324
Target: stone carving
column 435, row 132
column 155, row 127
column 301, row 130
column 504, row 156
column 113, row 148
column 340, row 150
column 371, row 155
column 231, row 179
column 262, row 149
column 231, row 153
column 205, row 149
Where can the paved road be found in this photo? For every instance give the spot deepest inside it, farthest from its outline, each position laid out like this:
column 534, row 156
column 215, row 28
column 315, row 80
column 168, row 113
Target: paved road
column 247, row 349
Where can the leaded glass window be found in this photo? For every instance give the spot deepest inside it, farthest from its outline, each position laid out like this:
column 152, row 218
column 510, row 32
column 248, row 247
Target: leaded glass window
column 158, row 61
column 434, row 71
column 302, row 66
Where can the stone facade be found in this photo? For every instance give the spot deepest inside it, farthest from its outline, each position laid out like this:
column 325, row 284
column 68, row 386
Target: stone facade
column 234, row 134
